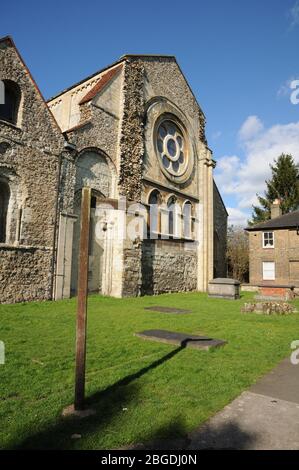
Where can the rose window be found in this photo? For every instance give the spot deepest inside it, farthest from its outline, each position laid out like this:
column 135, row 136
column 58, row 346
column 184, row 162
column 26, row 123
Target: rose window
column 171, row 148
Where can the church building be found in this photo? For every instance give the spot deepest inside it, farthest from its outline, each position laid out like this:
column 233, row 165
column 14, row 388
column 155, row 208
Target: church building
column 134, row 134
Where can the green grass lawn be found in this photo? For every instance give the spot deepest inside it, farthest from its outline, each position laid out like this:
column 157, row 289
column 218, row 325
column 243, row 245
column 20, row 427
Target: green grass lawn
column 142, row 390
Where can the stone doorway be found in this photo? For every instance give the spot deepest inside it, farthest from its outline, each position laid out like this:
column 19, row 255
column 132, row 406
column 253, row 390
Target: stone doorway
column 96, row 246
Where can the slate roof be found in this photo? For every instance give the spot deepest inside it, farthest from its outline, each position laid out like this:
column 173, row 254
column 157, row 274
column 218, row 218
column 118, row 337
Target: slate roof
column 290, row 220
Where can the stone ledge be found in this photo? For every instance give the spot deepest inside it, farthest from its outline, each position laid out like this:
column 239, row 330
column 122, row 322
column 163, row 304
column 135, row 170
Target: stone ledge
column 8, row 247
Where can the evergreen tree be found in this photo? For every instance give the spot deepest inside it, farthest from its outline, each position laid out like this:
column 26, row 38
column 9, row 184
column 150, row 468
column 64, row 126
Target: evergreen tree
column 283, row 185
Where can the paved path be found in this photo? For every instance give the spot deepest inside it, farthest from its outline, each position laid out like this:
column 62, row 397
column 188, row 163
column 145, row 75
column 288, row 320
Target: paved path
column 264, row 417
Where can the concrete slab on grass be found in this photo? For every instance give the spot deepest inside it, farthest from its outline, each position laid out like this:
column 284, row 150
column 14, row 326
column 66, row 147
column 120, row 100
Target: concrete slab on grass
column 160, row 309
column 181, row 339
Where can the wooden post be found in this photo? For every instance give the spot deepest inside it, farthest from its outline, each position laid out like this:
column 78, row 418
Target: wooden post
column 82, row 300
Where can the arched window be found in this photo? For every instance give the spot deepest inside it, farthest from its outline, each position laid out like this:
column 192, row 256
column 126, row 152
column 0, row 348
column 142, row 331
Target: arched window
column 12, row 97
column 172, row 214
column 4, row 200
column 154, row 215
column 187, row 217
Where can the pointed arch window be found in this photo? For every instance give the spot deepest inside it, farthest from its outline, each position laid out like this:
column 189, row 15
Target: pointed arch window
column 172, row 215
column 154, row 215
column 188, row 220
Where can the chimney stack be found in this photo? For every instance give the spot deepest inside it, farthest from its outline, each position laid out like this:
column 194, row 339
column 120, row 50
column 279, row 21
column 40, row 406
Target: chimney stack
column 275, row 209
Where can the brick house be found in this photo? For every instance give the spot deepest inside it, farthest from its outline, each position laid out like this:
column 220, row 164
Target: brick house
column 274, row 253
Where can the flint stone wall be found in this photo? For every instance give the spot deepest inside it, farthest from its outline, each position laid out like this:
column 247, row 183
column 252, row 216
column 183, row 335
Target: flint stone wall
column 25, row 274
column 29, row 158
column 168, row 267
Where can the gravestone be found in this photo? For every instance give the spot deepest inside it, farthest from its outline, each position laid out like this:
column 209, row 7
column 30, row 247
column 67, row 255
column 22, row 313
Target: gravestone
column 185, row 340
column 160, row 309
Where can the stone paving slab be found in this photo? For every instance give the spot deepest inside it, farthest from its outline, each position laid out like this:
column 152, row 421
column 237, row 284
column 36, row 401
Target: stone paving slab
column 181, row 339
column 160, row 309
column 251, row 421
column 282, row 382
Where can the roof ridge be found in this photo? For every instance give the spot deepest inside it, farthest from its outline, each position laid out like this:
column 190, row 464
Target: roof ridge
column 86, row 78
column 277, row 222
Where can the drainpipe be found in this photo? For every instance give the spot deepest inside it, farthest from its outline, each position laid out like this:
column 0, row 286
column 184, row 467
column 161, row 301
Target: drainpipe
column 70, row 148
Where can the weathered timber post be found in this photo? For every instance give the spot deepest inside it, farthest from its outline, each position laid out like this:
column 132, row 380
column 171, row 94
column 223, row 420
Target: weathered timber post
column 77, row 409
column 82, row 300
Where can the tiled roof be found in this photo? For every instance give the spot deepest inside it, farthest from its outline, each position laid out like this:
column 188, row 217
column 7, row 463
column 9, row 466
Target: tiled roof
column 284, row 221
column 101, row 84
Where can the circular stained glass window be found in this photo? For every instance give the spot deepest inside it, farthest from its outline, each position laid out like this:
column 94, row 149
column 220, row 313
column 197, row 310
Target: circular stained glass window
column 171, row 148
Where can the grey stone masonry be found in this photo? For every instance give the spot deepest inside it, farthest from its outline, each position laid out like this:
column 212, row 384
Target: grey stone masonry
column 224, row 288
column 29, row 165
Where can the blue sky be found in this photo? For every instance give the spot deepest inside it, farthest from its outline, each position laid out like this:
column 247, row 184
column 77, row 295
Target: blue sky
column 238, row 56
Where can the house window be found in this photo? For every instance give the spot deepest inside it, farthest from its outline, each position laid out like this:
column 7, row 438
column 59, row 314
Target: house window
column 268, row 240
column 12, row 97
column 4, row 200
column 268, row 271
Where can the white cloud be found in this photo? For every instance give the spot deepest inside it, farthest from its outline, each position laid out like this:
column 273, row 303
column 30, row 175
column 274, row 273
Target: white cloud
column 244, row 178
column 227, row 167
column 294, row 15
column 250, row 128
column 237, row 217
column 247, row 202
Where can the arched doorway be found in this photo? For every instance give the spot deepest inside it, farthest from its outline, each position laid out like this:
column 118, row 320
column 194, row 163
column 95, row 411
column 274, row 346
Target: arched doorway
column 92, row 170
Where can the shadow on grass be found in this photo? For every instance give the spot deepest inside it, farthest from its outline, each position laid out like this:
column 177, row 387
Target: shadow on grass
column 108, row 403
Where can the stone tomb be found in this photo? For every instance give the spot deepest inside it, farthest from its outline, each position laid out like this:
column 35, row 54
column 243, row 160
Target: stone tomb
column 275, row 292
column 160, row 309
column 181, row 339
column 224, row 288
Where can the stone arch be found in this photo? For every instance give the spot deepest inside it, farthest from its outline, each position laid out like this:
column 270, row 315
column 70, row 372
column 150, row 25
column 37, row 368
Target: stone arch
column 173, row 214
column 188, row 217
column 96, row 171
column 13, row 202
column 154, row 201
column 159, row 109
